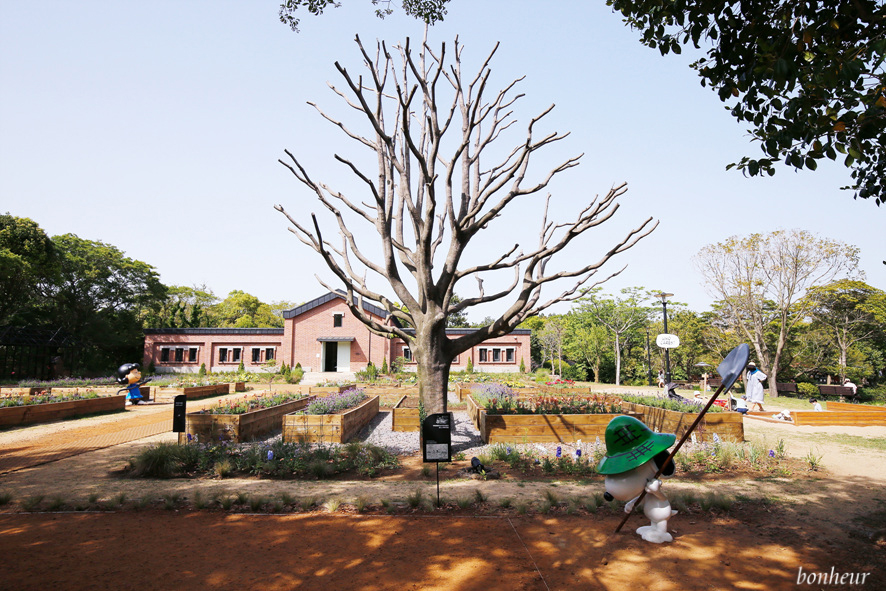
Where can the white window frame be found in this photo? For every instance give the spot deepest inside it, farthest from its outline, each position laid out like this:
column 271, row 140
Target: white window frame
column 407, row 353
column 482, row 355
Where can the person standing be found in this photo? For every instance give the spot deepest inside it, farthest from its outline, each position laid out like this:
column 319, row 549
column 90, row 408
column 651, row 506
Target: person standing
column 754, row 386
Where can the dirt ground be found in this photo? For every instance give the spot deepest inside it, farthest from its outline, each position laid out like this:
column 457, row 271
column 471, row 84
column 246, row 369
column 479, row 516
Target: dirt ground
column 835, row 520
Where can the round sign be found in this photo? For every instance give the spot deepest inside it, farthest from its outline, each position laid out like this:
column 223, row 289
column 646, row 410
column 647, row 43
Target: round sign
column 667, row 341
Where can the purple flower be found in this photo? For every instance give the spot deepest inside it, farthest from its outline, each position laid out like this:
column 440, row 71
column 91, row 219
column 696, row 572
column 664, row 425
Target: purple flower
column 270, row 455
column 509, row 450
column 771, row 453
column 559, row 451
column 578, row 453
column 190, row 438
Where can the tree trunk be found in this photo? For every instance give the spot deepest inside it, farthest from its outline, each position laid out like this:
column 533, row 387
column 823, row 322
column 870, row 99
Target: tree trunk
column 617, row 360
column 433, row 369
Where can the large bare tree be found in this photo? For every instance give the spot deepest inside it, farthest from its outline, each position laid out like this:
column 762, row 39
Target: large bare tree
column 420, row 200
column 761, row 279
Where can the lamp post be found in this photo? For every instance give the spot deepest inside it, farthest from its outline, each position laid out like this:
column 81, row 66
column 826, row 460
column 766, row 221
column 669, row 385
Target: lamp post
column 664, row 306
column 648, row 361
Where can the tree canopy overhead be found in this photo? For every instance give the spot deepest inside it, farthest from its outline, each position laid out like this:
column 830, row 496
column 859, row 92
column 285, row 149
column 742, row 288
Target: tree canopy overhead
column 807, row 75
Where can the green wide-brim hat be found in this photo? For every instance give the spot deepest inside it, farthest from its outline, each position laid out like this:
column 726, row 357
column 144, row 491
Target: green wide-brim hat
column 630, row 444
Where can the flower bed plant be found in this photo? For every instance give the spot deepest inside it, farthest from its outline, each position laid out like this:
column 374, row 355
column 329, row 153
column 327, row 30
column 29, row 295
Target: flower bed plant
column 276, row 459
column 106, row 382
column 669, row 404
column 338, row 422
column 331, row 404
column 44, row 398
column 243, row 405
column 243, row 419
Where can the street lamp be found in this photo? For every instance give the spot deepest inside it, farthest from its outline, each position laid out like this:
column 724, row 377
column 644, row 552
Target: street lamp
column 664, row 306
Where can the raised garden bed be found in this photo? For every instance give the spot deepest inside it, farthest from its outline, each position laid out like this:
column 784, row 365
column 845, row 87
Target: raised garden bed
column 851, row 418
column 9, row 392
column 726, row 425
column 537, row 428
column 240, row 428
column 329, row 390
column 54, row 411
column 854, row 407
column 405, row 415
column 329, row 428
column 195, row 392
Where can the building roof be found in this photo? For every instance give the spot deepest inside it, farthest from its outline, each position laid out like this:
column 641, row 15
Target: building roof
column 471, row 330
column 372, row 308
column 214, row 331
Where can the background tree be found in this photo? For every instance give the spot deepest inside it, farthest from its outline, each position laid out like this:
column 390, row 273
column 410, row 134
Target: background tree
column 420, row 199
column 101, row 297
column 28, row 263
column 621, row 316
column 587, row 340
column 243, row 310
column 761, row 279
column 808, row 75
column 185, row 307
column 851, row 311
column 459, row 320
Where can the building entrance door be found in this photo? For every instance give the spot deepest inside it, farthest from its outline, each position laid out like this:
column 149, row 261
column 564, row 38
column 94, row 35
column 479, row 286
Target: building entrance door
column 330, row 356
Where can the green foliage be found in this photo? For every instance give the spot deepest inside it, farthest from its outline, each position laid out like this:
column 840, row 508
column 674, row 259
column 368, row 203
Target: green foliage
column 28, row 265
column 239, row 406
column 522, row 366
column 815, row 90
column 241, row 368
column 384, row 365
column 469, row 366
column 202, row 371
column 429, row 11
column 242, row 310
column 285, row 460
column 807, row 390
column 668, row 404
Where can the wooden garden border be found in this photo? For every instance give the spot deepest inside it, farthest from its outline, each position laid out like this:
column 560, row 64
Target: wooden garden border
column 403, row 418
column 54, row 411
column 727, row 425
column 243, row 427
column 329, row 428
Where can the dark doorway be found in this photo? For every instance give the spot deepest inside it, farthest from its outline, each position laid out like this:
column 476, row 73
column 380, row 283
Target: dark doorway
column 331, row 354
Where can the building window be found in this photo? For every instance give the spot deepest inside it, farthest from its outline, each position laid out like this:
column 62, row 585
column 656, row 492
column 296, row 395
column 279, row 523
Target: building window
column 179, row 355
column 164, row 355
column 337, row 319
column 496, row 355
column 407, row 354
column 235, row 354
column 256, row 355
column 192, row 354
column 223, row 354
column 509, row 355
column 482, row 355
column 269, row 353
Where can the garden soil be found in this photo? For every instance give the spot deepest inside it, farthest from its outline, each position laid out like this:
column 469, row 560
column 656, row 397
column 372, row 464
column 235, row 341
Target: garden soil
column 823, row 521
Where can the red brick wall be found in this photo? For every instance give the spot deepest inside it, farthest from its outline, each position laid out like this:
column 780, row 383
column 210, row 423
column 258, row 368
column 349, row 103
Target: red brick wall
column 207, row 351
column 520, row 343
column 317, row 322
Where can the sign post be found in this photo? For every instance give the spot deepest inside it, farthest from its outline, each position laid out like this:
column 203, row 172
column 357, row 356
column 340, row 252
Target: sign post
column 436, row 441
column 179, row 415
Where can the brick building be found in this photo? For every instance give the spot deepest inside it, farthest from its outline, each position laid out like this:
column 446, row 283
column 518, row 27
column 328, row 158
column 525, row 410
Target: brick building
column 322, row 335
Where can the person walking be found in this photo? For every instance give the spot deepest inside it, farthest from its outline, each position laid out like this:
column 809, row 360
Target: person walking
column 754, row 386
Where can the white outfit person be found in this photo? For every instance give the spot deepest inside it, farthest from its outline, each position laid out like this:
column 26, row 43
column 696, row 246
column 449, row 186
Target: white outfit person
column 754, row 386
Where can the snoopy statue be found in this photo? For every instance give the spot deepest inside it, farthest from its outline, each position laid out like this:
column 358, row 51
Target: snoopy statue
column 634, row 454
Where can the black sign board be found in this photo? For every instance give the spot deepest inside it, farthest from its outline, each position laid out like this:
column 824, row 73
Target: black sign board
column 436, row 437
column 179, row 412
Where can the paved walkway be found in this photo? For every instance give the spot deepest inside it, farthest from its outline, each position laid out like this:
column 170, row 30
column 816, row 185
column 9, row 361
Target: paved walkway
column 136, row 423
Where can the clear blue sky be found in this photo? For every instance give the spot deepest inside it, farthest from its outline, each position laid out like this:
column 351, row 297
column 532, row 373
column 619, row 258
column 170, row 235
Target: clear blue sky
column 156, row 127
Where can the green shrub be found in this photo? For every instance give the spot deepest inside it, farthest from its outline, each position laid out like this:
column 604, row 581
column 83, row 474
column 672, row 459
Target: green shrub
column 807, row 390
column 241, row 368
column 384, row 365
column 202, row 371
column 469, row 368
column 522, row 366
column 295, row 375
column 872, row 394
